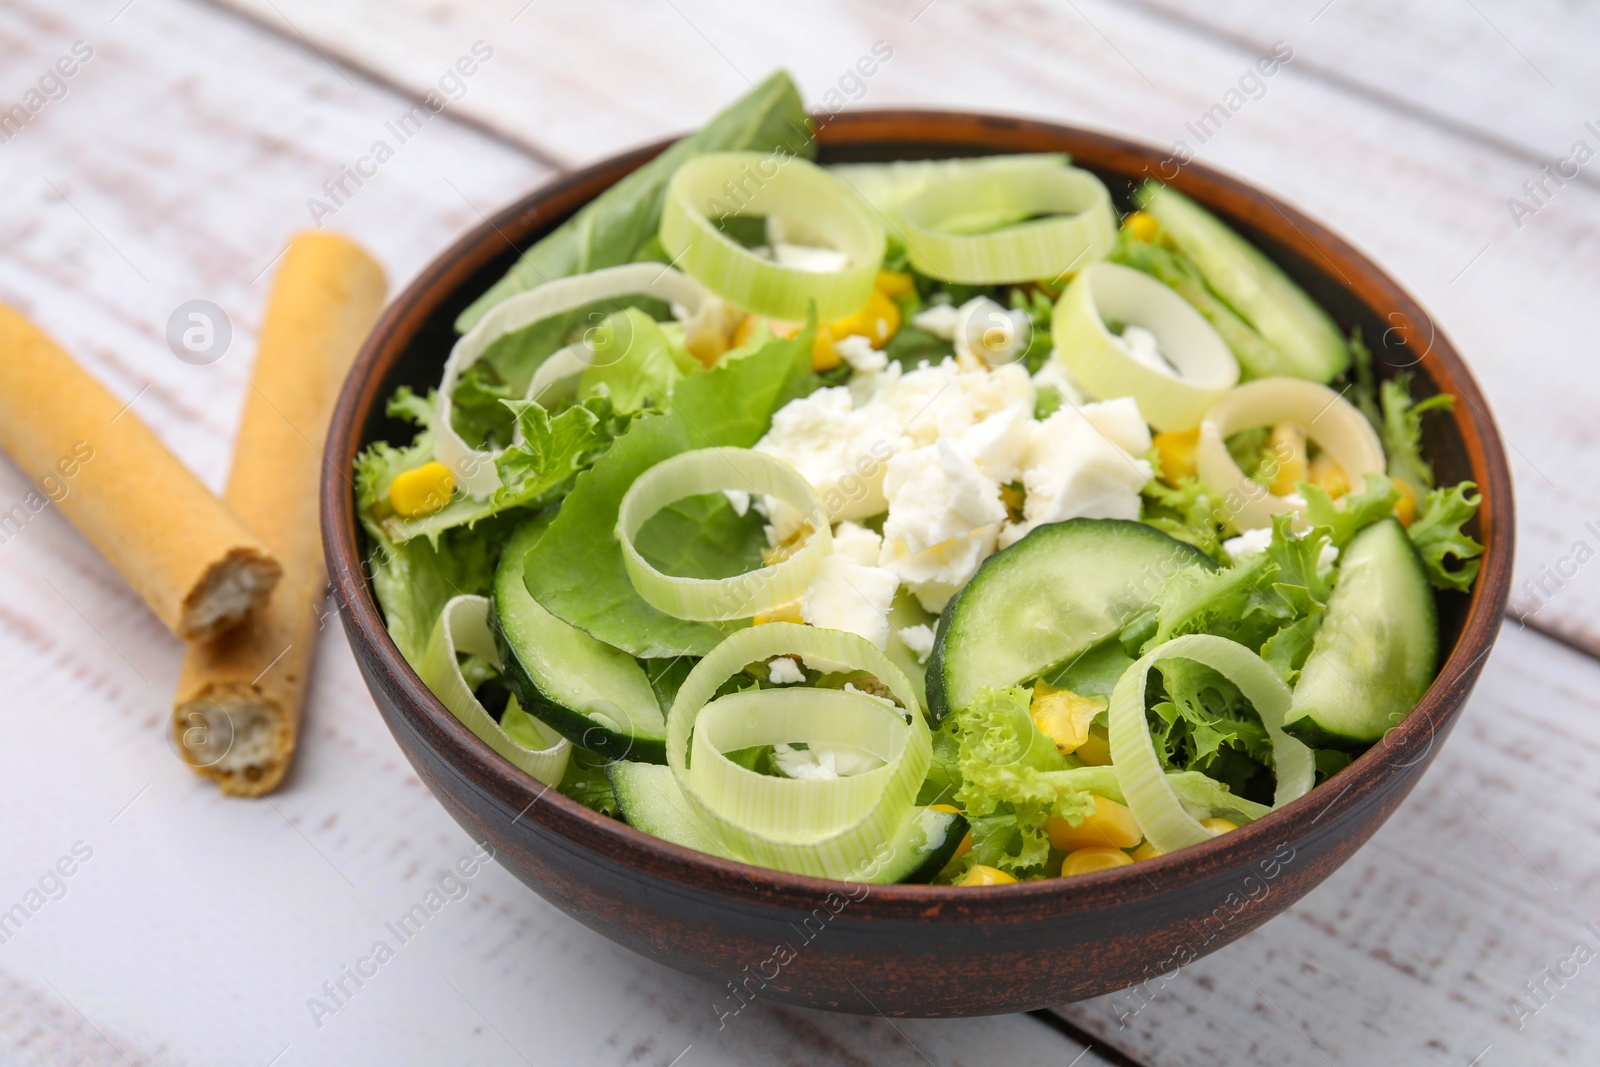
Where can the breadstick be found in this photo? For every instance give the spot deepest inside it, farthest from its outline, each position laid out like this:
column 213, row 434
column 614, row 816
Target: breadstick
column 197, row 566
column 237, row 712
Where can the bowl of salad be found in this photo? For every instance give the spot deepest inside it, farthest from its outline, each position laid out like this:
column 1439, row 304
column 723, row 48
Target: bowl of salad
column 914, row 563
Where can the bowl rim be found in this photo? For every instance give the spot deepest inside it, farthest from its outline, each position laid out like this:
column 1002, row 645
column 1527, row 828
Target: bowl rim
column 959, row 132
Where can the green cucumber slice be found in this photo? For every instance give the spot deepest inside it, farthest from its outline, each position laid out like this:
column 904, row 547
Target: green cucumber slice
column 596, row 696
column 1052, row 596
column 1264, row 296
column 648, row 798
column 1378, row 647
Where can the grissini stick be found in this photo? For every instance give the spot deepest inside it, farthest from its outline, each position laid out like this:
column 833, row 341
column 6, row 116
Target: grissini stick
column 195, row 563
column 237, row 712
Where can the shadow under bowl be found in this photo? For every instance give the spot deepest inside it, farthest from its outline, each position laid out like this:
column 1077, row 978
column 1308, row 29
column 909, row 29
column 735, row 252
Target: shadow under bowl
column 921, row 950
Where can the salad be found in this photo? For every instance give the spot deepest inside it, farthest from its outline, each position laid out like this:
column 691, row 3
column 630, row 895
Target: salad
column 930, row 521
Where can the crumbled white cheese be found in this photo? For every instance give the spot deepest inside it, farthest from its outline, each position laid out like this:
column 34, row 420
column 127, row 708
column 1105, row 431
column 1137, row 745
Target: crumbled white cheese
column 859, row 353
column 1121, row 422
column 935, row 494
column 944, row 400
column 809, row 258
column 1142, row 345
column 844, row 595
column 822, row 762
column 841, row 451
column 1254, row 542
column 937, row 574
column 919, row 639
column 1075, row 471
column 999, row 444
column 940, row 320
column 991, row 333
column 784, row 671
column 739, row 500
column 855, row 542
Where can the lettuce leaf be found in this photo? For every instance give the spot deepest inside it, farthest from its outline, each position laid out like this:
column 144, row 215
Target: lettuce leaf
column 1402, row 430
column 1188, row 512
column 634, row 363
column 621, row 222
column 1376, row 500
column 1202, row 717
column 1012, row 781
column 576, row 570
column 1436, row 532
column 412, row 581
column 476, row 410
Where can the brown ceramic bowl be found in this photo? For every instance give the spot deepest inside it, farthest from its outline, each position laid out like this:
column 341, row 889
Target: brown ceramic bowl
column 921, row 950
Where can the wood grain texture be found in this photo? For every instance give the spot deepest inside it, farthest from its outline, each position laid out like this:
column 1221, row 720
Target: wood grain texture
column 1422, row 196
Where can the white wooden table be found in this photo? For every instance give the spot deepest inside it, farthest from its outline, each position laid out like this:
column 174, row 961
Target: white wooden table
column 183, row 153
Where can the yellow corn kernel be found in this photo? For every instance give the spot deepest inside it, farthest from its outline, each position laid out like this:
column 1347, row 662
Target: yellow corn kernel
column 1094, row 858
column 981, row 875
column 877, row 321
column 966, row 842
column 782, row 613
column 823, row 355
column 743, row 332
column 1405, row 509
column 1063, row 716
column 1175, row 451
column 894, row 283
column 1110, row 825
column 1146, row 851
column 1288, row 444
column 788, row 546
column 421, row 491
column 1219, row 826
column 1012, row 498
column 1141, row 226
column 1326, row 473
column 1095, row 752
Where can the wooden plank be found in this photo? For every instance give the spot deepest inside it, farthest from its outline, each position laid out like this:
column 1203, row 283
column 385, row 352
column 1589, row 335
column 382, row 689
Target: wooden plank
column 195, row 929
column 1419, row 949
column 1426, row 202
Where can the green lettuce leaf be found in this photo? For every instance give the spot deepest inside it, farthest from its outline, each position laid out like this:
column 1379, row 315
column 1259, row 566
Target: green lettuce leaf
column 621, row 222
column 1439, row 539
column 1188, row 512
column 634, row 363
column 1011, row 770
column 576, row 570
column 1203, row 717
column 1376, row 500
column 476, row 410
column 1402, row 430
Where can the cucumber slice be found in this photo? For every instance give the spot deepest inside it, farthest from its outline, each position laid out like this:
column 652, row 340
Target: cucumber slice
column 648, row 798
column 1280, row 311
column 1047, row 599
column 596, row 696
column 1378, row 647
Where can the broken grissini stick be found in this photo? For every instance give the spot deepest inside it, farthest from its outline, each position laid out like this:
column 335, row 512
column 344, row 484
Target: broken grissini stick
column 237, row 712
column 198, row 567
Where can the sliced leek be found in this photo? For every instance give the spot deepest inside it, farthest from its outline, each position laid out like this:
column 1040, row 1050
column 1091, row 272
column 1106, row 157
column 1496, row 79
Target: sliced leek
column 1172, row 394
column 833, row 828
column 463, row 627
column 711, row 470
column 809, row 200
column 1162, row 815
column 936, row 224
column 1330, row 421
column 474, row 468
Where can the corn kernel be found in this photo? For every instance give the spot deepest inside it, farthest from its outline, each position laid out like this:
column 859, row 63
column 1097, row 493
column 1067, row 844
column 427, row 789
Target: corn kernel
column 746, row 330
column 1405, row 509
column 788, row 546
column 1013, row 500
column 1219, row 826
column 1063, row 716
column 823, row 355
column 421, row 491
column 1175, row 450
column 893, row 283
column 782, row 613
column 1146, row 851
column 877, row 321
column 1141, row 226
column 1288, row 444
column 981, row 875
column 966, row 842
column 1095, row 752
column 1096, row 858
column 1110, row 825
column 1326, row 473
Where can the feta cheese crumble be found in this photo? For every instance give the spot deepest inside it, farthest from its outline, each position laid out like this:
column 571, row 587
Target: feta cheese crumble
column 822, row 762
column 919, row 639
column 1254, row 542
column 845, row 595
column 839, row 450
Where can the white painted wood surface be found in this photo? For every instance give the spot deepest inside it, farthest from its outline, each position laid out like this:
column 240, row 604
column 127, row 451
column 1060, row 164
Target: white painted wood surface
column 1428, row 201
column 181, row 156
